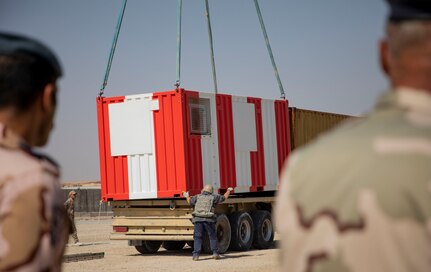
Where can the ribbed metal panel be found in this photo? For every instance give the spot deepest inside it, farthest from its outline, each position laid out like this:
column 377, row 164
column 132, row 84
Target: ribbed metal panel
column 243, row 172
column 142, row 167
column 242, row 157
column 257, row 158
column 192, row 148
column 270, row 144
column 193, row 157
column 142, row 176
column 226, row 145
column 113, row 170
column 209, row 145
column 169, row 131
column 283, row 131
column 306, row 125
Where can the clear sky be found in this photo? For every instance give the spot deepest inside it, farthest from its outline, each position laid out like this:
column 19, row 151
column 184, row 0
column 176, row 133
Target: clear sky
column 326, row 53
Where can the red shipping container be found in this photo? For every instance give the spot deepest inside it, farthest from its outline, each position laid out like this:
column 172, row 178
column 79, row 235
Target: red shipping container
column 159, row 144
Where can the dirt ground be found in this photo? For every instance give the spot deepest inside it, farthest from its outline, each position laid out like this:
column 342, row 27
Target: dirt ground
column 94, row 235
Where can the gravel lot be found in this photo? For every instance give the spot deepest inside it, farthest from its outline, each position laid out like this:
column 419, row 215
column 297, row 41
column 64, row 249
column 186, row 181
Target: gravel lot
column 94, row 234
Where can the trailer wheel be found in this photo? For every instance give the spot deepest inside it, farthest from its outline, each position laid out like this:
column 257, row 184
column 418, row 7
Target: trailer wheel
column 148, row 247
column 242, row 231
column 263, row 229
column 173, row 245
column 223, row 235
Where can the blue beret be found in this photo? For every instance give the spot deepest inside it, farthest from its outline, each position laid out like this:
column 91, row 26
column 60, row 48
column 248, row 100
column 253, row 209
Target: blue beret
column 11, row 44
column 406, row 10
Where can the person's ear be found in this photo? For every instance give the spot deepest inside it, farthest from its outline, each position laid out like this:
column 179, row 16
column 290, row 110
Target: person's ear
column 49, row 97
column 384, row 56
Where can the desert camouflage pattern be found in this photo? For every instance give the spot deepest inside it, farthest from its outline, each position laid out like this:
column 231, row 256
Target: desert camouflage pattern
column 70, row 209
column 359, row 198
column 33, row 222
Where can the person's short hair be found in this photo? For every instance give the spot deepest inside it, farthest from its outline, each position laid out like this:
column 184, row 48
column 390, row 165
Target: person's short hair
column 208, row 188
column 26, row 67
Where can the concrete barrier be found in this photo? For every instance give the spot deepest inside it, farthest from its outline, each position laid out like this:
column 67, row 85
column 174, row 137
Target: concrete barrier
column 87, row 202
column 83, row 257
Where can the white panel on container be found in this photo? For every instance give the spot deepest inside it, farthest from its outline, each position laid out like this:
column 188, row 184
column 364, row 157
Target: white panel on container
column 210, row 151
column 270, row 144
column 245, row 140
column 130, row 127
column 243, row 172
column 142, row 176
column 134, row 170
column 244, row 122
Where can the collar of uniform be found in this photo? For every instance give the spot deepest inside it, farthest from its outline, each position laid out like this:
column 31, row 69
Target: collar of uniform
column 415, row 99
column 407, row 98
column 8, row 138
column 11, row 140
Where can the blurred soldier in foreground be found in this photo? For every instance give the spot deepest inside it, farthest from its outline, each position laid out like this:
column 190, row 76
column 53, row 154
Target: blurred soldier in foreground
column 359, row 198
column 70, row 208
column 204, row 218
column 33, row 223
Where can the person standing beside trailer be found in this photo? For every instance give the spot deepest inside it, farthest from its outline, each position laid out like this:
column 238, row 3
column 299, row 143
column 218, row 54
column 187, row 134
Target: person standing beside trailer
column 33, row 222
column 70, row 208
column 359, row 198
column 204, row 218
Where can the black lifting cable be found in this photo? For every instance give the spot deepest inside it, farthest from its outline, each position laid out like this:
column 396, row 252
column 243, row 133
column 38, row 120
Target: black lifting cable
column 268, row 46
column 112, row 52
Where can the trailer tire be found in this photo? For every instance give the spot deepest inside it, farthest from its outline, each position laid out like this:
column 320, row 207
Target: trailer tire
column 173, row 245
column 263, row 229
column 242, row 231
column 149, row 247
column 223, row 231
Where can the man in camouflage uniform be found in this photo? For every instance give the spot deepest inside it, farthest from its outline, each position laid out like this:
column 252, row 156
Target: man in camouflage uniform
column 33, row 223
column 359, row 198
column 70, row 208
column 204, row 218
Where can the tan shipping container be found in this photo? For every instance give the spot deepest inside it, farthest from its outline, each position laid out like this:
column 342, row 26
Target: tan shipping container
column 306, row 125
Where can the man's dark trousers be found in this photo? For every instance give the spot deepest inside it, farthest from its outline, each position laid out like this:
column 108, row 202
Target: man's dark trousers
column 198, row 235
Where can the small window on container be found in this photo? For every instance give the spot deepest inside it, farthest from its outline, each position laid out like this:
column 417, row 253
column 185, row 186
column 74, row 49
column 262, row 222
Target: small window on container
column 200, row 116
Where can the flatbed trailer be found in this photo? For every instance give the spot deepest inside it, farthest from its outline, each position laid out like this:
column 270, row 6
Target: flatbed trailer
column 149, row 224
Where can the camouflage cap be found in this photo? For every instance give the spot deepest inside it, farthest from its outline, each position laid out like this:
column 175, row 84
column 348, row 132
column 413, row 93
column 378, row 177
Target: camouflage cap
column 72, row 193
column 11, row 44
column 407, row 10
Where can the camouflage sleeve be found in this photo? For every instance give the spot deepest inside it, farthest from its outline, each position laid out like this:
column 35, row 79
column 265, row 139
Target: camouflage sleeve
column 27, row 210
column 218, row 199
column 193, row 200
column 69, row 207
column 33, row 229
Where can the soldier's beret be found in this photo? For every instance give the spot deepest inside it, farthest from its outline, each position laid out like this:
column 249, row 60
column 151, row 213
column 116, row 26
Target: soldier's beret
column 405, row 10
column 11, row 44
